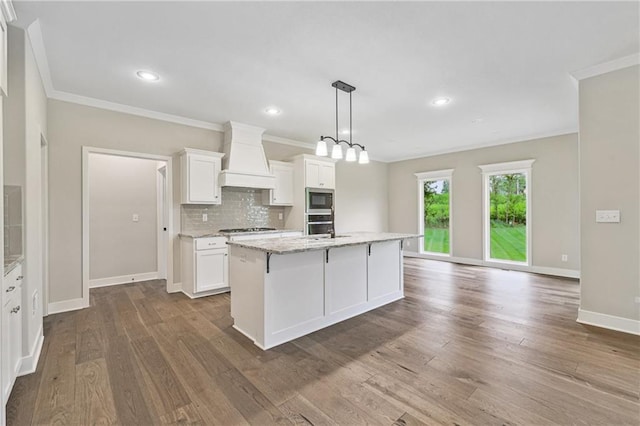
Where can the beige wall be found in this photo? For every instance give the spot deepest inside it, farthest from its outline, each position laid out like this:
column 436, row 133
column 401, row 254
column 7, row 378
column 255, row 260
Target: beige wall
column 554, row 197
column 120, row 187
column 70, row 127
column 609, row 180
column 362, row 197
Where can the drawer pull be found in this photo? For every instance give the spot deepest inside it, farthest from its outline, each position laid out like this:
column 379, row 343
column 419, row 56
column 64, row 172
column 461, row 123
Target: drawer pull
column 15, row 310
column 11, row 288
column 19, row 278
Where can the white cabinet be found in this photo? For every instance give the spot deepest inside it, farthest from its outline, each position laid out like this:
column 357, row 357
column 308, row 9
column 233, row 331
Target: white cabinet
column 12, row 329
column 200, row 172
column 319, row 174
column 205, row 266
column 282, row 194
column 211, row 270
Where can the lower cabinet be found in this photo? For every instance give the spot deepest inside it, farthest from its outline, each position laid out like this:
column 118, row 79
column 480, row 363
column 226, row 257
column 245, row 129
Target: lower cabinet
column 205, row 266
column 12, row 330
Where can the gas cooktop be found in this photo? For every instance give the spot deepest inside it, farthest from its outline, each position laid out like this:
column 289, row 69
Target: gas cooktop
column 236, row 230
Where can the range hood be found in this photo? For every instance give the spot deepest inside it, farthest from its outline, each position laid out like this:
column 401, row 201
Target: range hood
column 245, row 164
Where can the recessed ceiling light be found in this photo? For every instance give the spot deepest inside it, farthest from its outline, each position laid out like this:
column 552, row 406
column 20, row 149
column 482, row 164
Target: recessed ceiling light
column 272, row 111
column 148, row 76
column 440, row 101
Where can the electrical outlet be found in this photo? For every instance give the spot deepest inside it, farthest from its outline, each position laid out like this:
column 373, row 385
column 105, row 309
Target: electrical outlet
column 280, row 216
column 205, row 217
column 408, row 243
column 608, row 216
column 565, row 258
column 136, row 218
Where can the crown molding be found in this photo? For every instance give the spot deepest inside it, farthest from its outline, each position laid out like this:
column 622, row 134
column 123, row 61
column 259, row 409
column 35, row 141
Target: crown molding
column 34, row 34
column 8, row 11
column 290, row 142
column 605, row 67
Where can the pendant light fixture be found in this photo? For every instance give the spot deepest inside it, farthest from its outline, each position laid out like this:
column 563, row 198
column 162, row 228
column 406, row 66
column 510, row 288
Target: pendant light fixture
column 336, row 151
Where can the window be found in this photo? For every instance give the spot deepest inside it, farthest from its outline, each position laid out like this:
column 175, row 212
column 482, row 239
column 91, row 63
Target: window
column 507, row 212
column 434, row 211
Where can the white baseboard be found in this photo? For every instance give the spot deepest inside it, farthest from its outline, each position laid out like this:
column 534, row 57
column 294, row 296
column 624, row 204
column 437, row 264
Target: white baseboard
column 558, row 272
column 123, row 279
column 174, row 288
column 66, row 306
column 30, row 362
column 611, row 322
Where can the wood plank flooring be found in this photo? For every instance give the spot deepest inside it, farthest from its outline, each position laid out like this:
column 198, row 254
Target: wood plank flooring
column 467, row 345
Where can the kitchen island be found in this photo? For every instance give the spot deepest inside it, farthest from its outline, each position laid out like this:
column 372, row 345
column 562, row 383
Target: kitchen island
column 284, row 288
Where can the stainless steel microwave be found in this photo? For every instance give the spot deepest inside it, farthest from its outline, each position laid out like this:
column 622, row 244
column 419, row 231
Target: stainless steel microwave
column 319, row 201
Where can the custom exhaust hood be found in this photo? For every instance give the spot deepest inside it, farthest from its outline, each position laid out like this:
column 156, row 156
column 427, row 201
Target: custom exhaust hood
column 245, row 164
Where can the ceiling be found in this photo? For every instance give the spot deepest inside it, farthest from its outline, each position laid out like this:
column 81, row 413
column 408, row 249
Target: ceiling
column 504, row 64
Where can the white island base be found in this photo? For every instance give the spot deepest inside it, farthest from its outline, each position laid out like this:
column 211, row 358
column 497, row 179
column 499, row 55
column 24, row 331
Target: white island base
column 276, row 298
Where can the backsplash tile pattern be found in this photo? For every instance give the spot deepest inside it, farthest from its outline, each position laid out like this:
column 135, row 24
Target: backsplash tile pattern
column 240, row 208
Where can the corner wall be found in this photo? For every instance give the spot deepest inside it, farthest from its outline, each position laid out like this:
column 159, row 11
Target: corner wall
column 610, row 180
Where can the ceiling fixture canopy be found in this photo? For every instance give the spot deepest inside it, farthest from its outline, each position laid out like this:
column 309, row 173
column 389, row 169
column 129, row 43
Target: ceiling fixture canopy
column 336, row 151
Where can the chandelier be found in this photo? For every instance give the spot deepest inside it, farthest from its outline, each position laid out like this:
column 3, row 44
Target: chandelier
column 336, row 151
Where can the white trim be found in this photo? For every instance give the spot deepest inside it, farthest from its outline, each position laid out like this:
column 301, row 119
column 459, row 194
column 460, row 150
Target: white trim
column 605, row 67
column 34, row 32
column 123, row 279
column 510, row 167
column 67, row 305
column 86, row 150
column 610, row 322
column 543, row 270
column 8, row 11
column 44, row 151
column 175, row 288
column 30, row 362
column 162, row 214
column 505, row 168
column 435, row 175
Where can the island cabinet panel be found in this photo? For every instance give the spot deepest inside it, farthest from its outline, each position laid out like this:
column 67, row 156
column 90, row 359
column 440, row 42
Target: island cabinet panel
column 299, row 276
column 247, row 272
column 384, row 269
column 346, row 280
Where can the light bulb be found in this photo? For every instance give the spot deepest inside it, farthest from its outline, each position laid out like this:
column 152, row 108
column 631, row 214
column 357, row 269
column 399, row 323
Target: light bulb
column 351, row 154
column 321, row 149
column 336, row 152
column 148, row 76
column 364, row 157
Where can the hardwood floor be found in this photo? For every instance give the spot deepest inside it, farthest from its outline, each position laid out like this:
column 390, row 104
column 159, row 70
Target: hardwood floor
column 467, row 345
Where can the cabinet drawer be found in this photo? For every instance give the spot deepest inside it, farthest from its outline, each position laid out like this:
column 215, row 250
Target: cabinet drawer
column 211, row 243
column 12, row 281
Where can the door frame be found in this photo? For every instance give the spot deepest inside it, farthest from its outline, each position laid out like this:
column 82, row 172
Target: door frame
column 423, row 177
column 169, row 235
column 44, row 170
column 162, row 219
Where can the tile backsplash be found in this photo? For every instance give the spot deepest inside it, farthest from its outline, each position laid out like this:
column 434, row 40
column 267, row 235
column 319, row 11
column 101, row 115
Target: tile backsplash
column 240, row 208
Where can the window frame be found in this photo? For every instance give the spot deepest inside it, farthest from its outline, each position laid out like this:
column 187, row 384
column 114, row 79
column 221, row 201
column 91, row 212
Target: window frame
column 511, row 167
column 422, row 177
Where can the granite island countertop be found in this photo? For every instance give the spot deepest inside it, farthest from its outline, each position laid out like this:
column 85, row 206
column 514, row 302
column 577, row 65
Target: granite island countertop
column 320, row 242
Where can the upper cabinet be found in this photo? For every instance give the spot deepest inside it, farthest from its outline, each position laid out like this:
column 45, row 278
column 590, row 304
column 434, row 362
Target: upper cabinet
column 282, row 194
column 319, row 173
column 200, row 172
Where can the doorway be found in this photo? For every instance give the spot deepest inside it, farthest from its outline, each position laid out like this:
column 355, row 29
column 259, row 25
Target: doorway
column 126, row 218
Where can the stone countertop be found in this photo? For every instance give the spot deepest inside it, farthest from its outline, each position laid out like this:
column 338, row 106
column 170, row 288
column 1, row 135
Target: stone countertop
column 10, row 262
column 206, row 234
column 310, row 242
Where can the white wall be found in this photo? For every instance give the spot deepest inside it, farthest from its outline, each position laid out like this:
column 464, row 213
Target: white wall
column 610, row 180
column 118, row 188
column 554, row 199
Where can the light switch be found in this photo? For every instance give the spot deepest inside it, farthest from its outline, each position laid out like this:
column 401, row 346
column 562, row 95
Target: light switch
column 280, row 216
column 608, row 216
column 136, row 218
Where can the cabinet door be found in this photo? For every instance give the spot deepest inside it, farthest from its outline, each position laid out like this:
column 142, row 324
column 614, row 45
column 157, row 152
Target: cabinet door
column 203, row 179
column 312, row 174
column 6, row 353
column 211, row 270
column 282, row 194
column 327, row 175
column 15, row 334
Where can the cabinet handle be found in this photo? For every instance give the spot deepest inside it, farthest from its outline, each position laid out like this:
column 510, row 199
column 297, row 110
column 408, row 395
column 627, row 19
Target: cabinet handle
column 322, row 184
column 15, row 310
column 226, row 254
column 19, row 278
column 10, row 289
